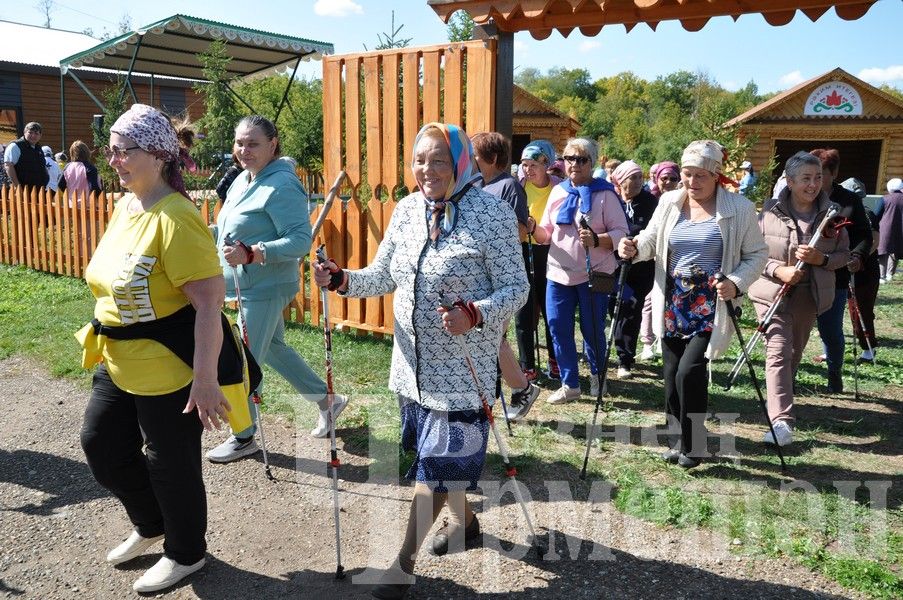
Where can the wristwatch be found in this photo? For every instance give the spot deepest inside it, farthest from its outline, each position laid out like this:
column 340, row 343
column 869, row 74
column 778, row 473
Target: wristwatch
column 263, row 252
column 824, row 263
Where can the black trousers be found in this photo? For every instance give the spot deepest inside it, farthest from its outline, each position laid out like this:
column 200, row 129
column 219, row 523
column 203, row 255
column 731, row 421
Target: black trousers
column 527, row 319
column 161, row 488
column 627, row 327
column 866, row 295
column 687, row 391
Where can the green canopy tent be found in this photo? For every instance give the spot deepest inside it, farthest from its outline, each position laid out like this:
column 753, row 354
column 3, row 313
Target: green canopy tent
column 170, row 47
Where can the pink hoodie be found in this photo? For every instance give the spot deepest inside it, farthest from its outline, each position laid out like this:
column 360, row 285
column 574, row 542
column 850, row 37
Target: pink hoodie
column 567, row 256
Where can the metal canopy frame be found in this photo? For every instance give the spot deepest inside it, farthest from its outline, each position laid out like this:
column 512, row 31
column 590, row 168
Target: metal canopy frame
column 169, row 47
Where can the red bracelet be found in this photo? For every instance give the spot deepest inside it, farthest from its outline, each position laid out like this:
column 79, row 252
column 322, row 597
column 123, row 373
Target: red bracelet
column 470, row 310
column 248, row 249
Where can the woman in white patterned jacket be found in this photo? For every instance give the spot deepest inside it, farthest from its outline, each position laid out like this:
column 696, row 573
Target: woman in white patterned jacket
column 447, row 243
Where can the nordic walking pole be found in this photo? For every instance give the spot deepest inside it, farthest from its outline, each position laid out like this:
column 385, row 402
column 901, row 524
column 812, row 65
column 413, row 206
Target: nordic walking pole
column 510, row 470
column 734, row 314
column 327, row 204
column 255, row 396
column 501, row 395
column 333, row 452
column 536, row 312
column 776, row 303
column 603, row 372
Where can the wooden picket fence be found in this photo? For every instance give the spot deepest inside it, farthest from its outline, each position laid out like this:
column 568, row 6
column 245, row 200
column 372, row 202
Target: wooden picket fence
column 53, row 233
column 374, row 103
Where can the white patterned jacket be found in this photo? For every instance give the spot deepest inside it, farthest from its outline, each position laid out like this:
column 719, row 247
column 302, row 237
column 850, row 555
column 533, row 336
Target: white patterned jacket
column 480, row 260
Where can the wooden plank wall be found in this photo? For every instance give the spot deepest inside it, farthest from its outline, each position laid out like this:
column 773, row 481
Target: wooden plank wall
column 41, row 102
column 374, row 104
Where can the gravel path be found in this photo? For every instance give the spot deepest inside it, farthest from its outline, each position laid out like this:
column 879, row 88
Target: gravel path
column 275, row 540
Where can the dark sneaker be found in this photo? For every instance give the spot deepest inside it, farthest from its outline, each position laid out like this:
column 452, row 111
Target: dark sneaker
column 521, row 402
column 471, row 534
column 687, row 462
column 554, row 371
column 671, row 455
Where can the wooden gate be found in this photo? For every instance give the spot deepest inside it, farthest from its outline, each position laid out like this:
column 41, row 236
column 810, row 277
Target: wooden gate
column 373, row 105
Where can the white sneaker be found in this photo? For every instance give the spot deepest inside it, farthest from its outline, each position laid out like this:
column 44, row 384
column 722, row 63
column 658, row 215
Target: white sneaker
column 165, row 573
column 339, row 403
column 232, row 449
column 563, row 394
column 648, row 352
column 133, row 547
column 624, row 373
column 783, row 431
column 869, row 355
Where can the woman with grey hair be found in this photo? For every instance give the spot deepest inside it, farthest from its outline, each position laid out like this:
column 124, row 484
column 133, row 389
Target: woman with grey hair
column 696, row 231
column 579, row 199
column 788, row 223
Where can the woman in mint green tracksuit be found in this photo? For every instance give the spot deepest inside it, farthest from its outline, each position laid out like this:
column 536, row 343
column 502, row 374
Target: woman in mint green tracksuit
column 262, row 230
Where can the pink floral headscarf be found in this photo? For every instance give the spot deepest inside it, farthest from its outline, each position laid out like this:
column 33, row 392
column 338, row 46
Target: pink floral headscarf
column 153, row 132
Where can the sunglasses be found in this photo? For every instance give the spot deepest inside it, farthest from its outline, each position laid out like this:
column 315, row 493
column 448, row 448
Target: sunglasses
column 119, row 153
column 580, row 160
column 670, row 179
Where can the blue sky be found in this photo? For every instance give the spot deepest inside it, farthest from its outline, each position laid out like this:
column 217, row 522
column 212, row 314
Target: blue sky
column 733, row 53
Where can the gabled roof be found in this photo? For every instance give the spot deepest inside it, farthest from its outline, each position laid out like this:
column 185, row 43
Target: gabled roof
column 170, row 47
column 526, row 104
column 540, row 17
column 39, row 46
column 788, row 104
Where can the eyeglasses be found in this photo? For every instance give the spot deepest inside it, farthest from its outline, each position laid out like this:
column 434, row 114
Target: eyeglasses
column 580, row 160
column 669, row 179
column 119, row 153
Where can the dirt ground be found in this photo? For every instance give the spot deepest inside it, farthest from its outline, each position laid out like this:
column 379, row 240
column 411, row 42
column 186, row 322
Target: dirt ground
column 276, row 540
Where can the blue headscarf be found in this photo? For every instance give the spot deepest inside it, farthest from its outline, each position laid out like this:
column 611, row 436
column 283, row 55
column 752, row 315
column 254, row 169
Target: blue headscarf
column 538, row 148
column 582, row 194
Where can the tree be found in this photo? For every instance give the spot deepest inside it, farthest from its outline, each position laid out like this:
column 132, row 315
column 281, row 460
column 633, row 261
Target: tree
column 460, row 27
column 301, row 121
column 221, row 114
column 114, row 102
column 391, row 40
column 46, row 7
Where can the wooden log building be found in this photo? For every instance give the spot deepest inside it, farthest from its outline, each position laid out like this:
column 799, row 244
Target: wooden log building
column 833, row 110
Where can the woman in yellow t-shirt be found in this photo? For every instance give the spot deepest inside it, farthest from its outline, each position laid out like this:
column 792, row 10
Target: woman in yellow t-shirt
column 535, row 162
column 155, row 259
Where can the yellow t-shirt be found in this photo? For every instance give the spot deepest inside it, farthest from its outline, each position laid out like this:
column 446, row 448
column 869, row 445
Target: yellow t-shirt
column 536, row 201
column 135, row 275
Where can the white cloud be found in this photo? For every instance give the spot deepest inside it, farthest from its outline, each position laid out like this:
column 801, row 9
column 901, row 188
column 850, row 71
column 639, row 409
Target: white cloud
column 337, row 8
column 878, row 75
column 590, row 45
column 792, row 78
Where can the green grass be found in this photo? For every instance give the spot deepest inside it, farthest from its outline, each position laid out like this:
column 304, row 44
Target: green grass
column 749, row 501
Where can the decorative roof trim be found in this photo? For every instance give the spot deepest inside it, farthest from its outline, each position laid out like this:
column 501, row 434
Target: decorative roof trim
column 541, row 17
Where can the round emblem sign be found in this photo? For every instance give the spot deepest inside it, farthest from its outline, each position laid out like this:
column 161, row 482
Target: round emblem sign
column 835, row 98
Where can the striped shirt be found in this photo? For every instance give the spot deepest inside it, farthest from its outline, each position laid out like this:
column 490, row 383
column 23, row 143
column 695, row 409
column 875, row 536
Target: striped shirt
column 694, row 243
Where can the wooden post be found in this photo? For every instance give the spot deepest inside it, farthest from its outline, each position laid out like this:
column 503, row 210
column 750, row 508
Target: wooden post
column 504, row 75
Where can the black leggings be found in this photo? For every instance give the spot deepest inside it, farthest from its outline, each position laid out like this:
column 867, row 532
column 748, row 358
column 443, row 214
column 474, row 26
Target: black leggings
column 526, row 321
column 161, row 488
column 687, row 390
